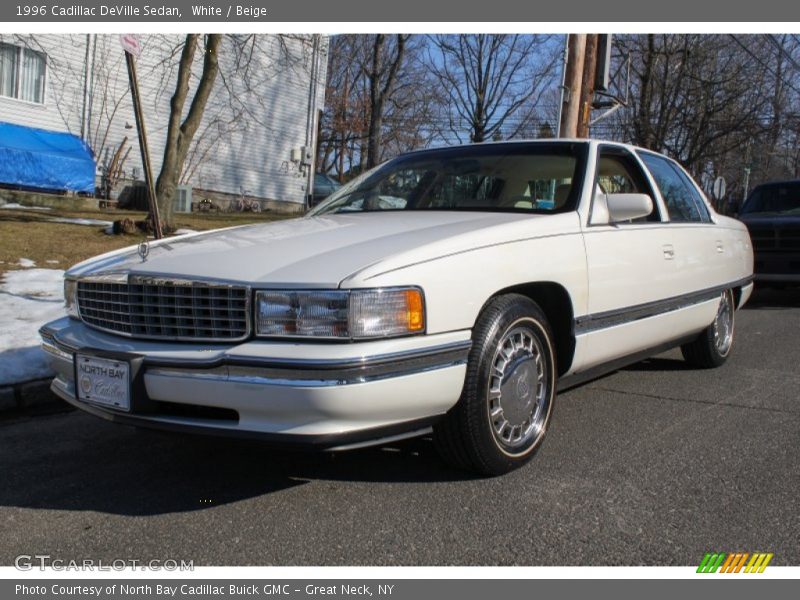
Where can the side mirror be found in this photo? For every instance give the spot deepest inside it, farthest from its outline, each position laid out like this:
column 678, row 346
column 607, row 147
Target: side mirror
column 626, row 207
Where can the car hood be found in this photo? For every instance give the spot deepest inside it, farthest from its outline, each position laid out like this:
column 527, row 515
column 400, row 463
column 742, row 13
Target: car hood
column 323, row 251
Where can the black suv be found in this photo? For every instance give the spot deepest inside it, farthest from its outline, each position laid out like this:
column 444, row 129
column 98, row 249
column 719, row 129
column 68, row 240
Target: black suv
column 772, row 214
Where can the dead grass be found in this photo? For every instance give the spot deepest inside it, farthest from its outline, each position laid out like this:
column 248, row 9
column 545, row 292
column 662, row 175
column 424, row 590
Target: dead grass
column 29, row 234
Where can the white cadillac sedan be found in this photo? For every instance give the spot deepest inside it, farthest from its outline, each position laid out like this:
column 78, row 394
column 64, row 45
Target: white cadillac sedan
column 452, row 290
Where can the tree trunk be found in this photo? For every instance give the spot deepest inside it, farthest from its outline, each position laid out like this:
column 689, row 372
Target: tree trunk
column 382, row 79
column 180, row 132
column 374, row 139
column 644, row 125
column 479, row 122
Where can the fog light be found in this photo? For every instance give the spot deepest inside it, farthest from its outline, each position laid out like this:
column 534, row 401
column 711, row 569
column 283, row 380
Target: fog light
column 71, row 298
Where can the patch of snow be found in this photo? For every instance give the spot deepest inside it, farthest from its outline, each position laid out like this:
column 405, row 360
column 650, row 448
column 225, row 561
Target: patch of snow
column 28, row 300
column 16, row 206
column 77, row 221
column 184, row 231
column 51, row 262
column 26, row 263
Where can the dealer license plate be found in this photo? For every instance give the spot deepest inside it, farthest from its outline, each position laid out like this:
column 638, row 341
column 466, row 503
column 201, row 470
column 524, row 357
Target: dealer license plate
column 103, row 381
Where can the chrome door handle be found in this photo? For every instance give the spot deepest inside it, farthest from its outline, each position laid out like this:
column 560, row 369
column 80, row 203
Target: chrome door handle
column 669, row 252
column 720, row 247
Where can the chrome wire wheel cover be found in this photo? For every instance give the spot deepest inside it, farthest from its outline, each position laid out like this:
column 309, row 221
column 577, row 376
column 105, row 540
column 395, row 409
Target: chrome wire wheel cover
column 723, row 324
column 517, row 395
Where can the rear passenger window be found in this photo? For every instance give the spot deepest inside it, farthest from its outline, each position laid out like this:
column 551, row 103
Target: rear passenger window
column 698, row 199
column 681, row 204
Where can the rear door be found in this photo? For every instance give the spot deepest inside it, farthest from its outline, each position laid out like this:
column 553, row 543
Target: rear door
column 701, row 247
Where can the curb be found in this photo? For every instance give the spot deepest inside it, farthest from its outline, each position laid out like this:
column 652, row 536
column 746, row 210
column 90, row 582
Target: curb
column 30, row 397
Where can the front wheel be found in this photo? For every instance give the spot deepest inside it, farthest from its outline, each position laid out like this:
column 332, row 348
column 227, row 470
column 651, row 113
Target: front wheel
column 501, row 418
column 713, row 346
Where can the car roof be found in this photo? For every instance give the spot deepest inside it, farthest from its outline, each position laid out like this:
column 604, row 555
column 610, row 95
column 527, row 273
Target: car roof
column 536, row 141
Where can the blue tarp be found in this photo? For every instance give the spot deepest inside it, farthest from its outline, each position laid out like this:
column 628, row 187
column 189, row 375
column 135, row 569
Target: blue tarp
column 51, row 160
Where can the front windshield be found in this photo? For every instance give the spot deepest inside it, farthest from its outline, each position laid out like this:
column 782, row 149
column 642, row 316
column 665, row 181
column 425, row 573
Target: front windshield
column 531, row 178
column 782, row 198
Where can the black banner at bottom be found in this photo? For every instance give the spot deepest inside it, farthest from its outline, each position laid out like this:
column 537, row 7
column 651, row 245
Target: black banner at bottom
column 396, row 589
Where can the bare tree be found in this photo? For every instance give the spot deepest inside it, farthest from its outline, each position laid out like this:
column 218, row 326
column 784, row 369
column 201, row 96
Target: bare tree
column 237, row 103
column 413, row 108
column 380, row 101
column 693, row 96
column 720, row 104
column 381, row 74
column 493, row 82
column 343, row 121
column 180, row 129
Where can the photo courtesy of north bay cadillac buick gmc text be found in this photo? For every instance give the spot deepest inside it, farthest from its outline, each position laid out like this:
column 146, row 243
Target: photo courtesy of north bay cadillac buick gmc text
column 452, row 290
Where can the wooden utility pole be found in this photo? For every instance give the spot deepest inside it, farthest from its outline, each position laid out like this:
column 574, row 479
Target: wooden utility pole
column 342, row 124
column 146, row 166
column 570, row 110
column 587, row 85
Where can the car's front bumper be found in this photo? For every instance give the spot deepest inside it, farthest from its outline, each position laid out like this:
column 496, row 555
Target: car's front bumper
column 325, row 395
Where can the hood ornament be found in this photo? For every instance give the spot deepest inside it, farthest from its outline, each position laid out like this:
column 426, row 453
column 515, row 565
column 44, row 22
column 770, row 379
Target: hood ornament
column 144, row 250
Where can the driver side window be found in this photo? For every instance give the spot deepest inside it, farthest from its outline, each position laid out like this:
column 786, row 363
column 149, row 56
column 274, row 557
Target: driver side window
column 619, row 173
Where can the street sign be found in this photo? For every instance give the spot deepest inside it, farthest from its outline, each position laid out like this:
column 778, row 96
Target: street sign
column 131, row 44
column 719, row 188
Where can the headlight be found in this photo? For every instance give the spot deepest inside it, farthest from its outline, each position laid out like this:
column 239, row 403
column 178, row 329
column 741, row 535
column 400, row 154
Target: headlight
column 71, row 298
column 340, row 314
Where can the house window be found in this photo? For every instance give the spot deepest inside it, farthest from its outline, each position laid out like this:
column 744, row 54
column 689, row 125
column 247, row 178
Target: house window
column 22, row 72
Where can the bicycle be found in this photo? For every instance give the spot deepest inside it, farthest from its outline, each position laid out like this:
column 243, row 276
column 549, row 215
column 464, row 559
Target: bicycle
column 245, row 204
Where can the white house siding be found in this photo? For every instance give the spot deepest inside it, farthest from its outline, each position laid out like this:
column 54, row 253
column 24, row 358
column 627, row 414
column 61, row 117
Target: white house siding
column 251, row 155
column 64, row 55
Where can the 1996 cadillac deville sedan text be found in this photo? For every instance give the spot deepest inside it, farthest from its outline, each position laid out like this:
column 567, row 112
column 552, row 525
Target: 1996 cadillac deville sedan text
column 453, row 290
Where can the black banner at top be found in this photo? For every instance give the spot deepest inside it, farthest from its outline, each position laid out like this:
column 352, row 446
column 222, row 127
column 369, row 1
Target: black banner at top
column 443, row 11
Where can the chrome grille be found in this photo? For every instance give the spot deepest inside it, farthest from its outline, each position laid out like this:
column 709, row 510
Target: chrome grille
column 789, row 238
column 158, row 308
column 763, row 238
column 769, row 238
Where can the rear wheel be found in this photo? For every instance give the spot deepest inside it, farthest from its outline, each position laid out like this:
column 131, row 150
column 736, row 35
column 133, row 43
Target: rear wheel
column 713, row 346
column 501, row 418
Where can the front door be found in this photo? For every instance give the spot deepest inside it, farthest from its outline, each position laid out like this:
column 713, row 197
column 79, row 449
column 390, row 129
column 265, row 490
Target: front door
column 630, row 267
